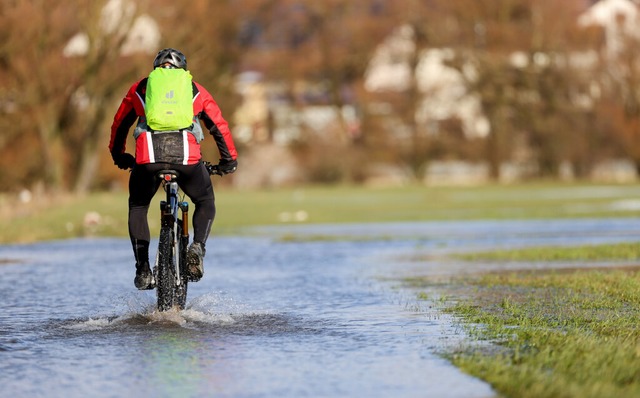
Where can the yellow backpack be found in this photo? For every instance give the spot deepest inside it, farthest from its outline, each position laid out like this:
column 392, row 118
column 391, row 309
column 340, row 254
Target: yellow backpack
column 169, row 99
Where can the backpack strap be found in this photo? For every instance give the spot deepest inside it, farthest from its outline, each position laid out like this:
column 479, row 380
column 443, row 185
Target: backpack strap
column 141, row 91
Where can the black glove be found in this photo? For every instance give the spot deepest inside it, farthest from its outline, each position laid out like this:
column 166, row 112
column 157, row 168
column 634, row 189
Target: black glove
column 124, row 160
column 227, row 166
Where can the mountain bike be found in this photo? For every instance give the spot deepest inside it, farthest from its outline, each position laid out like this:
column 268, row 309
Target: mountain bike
column 170, row 269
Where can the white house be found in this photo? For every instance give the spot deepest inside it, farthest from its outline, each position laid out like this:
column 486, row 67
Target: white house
column 445, row 92
column 618, row 18
column 142, row 33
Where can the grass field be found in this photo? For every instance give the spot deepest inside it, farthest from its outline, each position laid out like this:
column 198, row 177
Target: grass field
column 619, row 251
column 104, row 214
column 550, row 333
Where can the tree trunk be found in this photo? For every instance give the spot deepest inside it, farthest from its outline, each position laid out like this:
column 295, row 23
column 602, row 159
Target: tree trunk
column 89, row 156
column 50, row 150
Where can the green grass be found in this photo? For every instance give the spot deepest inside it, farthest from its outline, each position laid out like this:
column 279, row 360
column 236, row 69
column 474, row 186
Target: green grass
column 550, row 334
column 57, row 218
column 570, row 333
column 618, row 251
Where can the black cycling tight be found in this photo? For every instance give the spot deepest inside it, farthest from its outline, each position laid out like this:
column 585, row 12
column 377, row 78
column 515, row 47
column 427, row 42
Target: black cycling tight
column 195, row 182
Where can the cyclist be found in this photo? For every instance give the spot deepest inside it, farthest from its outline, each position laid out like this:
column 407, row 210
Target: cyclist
column 178, row 150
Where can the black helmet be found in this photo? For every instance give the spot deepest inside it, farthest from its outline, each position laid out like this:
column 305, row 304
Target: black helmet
column 172, row 56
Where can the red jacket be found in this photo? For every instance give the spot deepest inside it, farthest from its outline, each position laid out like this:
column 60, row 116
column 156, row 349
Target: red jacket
column 204, row 107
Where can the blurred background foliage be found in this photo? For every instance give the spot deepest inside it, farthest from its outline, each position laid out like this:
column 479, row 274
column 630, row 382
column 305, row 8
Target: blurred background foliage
column 331, row 91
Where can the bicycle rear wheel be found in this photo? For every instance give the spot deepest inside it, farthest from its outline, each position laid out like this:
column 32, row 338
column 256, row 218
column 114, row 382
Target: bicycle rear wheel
column 165, row 275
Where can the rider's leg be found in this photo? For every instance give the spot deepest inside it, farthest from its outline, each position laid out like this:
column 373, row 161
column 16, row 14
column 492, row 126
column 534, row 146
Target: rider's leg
column 142, row 187
column 196, row 183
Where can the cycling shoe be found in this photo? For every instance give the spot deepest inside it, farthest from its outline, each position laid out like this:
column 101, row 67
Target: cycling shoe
column 144, row 277
column 195, row 261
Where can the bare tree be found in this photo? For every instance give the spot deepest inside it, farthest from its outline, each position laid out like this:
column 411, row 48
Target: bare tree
column 69, row 65
column 59, row 98
column 34, row 33
column 104, row 71
column 521, row 51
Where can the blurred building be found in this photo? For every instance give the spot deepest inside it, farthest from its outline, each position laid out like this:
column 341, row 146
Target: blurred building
column 618, row 18
column 118, row 18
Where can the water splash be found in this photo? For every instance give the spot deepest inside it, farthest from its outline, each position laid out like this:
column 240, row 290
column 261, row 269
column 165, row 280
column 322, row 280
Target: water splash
column 139, row 309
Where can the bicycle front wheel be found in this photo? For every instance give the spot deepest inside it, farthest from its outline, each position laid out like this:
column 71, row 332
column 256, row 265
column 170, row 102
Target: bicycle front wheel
column 165, row 278
column 181, row 290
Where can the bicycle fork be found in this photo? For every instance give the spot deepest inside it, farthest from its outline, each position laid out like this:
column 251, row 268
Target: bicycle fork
column 169, row 217
column 183, row 238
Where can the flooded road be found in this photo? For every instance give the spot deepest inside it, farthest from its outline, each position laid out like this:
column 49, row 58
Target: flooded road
column 313, row 317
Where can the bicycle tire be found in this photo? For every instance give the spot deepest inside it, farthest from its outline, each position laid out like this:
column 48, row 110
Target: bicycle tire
column 180, row 297
column 165, row 278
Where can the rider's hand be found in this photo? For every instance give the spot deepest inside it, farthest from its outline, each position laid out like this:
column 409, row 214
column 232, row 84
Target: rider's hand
column 227, row 166
column 124, row 161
